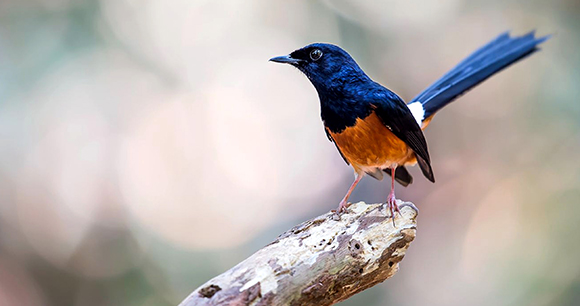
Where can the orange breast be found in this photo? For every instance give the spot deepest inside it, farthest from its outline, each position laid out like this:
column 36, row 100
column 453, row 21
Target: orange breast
column 369, row 144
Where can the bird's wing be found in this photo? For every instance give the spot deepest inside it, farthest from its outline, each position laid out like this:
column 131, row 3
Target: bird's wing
column 337, row 148
column 397, row 117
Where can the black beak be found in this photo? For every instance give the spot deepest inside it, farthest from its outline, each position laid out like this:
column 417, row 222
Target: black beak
column 286, row 59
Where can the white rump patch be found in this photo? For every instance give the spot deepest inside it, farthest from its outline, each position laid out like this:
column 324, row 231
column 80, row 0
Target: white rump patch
column 417, row 110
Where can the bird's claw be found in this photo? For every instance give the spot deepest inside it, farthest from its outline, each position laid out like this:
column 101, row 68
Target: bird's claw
column 393, row 207
column 342, row 208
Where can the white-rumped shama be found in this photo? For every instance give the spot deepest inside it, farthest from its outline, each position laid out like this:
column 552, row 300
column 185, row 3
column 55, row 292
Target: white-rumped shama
column 373, row 129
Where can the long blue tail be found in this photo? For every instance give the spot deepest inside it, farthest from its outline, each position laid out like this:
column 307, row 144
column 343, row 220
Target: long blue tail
column 483, row 63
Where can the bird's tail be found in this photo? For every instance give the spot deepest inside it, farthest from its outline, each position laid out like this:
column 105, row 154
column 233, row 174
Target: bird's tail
column 483, row 63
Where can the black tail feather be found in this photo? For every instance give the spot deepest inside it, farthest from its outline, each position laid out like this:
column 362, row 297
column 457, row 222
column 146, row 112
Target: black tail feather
column 480, row 65
column 402, row 176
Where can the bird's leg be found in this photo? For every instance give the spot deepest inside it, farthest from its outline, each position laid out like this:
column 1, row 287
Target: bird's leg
column 391, row 200
column 344, row 204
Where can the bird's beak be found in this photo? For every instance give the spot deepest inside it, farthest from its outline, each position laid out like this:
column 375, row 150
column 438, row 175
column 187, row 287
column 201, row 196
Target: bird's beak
column 285, row 59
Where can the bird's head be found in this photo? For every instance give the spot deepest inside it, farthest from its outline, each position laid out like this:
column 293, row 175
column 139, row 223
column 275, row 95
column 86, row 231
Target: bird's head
column 323, row 64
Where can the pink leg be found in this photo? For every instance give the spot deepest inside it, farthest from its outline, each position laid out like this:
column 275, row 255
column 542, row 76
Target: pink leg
column 343, row 204
column 391, row 200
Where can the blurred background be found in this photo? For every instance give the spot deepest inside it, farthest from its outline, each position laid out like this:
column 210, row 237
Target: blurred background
column 147, row 146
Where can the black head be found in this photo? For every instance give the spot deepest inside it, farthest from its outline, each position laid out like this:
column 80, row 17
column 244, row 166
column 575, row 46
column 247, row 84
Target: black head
column 323, row 64
column 338, row 80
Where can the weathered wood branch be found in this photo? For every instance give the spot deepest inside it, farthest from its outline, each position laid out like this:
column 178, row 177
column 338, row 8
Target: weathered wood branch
column 319, row 262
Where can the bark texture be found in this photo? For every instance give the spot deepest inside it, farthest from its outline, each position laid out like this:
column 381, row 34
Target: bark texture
column 320, row 262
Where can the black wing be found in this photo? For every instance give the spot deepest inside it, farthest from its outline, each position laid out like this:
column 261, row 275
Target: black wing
column 397, row 117
column 337, row 148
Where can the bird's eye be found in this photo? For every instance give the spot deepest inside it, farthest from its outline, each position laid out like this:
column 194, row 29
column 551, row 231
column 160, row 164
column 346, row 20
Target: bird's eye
column 315, row 54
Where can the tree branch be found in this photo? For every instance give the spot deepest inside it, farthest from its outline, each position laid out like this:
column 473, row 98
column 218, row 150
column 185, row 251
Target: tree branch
column 320, row 262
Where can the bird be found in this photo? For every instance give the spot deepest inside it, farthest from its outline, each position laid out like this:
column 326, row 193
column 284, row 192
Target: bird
column 373, row 129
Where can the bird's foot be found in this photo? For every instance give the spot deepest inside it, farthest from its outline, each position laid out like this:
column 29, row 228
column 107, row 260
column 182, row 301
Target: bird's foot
column 393, row 207
column 342, row 207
